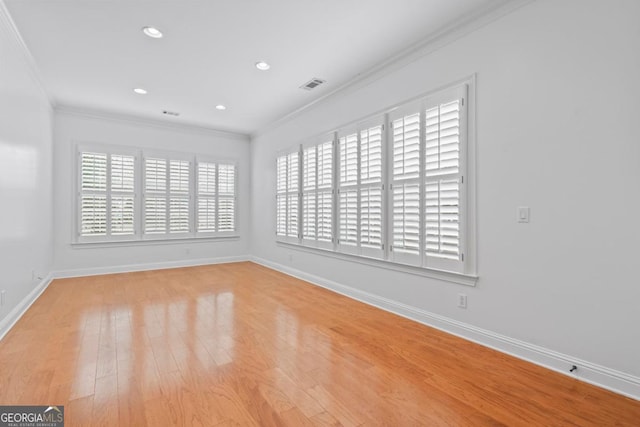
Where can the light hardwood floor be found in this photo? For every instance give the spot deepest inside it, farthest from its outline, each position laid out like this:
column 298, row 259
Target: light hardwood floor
column 239, row 344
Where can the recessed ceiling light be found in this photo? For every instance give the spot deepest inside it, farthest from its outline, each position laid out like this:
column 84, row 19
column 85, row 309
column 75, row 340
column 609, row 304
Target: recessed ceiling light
column 262, row 66
column 140, row 91
column 220, row 107
column 152, row 32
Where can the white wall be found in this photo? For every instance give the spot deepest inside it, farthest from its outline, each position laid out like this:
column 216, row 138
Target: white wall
column 73, row 128
column 25, row 174
column 557, row 114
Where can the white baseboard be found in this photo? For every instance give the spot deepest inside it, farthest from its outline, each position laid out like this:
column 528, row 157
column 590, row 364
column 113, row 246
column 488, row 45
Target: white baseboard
column 18, row 311
column 601, row 376
column 129, row 268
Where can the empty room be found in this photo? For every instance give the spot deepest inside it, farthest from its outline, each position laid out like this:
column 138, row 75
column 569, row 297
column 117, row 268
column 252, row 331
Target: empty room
column 319, row 213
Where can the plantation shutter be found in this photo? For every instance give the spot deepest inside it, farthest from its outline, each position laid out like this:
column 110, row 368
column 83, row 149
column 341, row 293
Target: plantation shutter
column 309, row 193
column 281, row 196
column 444, row 143
column 155, row 201
column 179, row 196
column 405, row 194
column 293, row 179
column 93, row 194
column 122, row 195
column 226, row 197
column 325, row 192
column 348, row 192
column 317, row 194
column 206, row 209
column 370, row 211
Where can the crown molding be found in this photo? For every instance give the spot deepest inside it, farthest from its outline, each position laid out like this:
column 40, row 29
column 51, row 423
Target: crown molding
column 144, row 121
column 446, row 35
column 8, row 25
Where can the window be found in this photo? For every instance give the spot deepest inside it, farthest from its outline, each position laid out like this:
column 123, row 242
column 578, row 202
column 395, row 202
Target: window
column 287, row 196
column 162, row 196
column 216, row 197
column 317, row 194
column 106, row 196
column 397, row 191
column 360, row 189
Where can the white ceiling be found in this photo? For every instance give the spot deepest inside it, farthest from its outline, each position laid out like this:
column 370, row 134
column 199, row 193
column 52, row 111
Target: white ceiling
column 92, row 53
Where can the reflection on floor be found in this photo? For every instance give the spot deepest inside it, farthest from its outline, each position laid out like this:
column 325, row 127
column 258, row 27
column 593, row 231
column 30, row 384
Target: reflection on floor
column 239, row 344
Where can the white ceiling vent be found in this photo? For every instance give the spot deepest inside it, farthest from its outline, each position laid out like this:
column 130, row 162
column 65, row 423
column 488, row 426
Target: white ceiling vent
column 312, row 84
column 170, row 113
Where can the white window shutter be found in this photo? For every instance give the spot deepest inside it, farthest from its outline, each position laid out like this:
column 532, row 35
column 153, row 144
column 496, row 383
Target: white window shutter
column 370, row 208
column 406, row 187
column 155, row 202
column 206, row 191
column 443, row 181
column 122, row 173
column 348, row 220
column 292, row 194
column 281, row 196
column 93, row 215
column 93, row 172
column 325, row 192
column 226, row 197
column 93, row 198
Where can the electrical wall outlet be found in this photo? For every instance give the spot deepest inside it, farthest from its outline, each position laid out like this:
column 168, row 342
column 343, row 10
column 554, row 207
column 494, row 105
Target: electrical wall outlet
column 3, row 294
column 462, row 300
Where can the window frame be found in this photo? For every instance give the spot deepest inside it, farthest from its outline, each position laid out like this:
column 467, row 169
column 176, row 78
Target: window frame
column 140, row 155
column 461, row 271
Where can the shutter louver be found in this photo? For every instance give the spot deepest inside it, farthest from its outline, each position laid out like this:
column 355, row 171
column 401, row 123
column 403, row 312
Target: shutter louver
column 371, row 217
column 155, row 215
column 292, row 194
column 155, row 202
column 406, row 147
column 292, row 215
column 206, row 210
column 93, row 201
column 93, row 215
column 93, row 171
column 122, row 195
column 309, row 216
column 349, row 160
column 122, row 173
column 226, row 197
column 206, row 214
column 442, row 218
column 406, row 218
column 325, row 195
column 179, row 196
column 122, row 215
column 371, row 155
column 348, row 217
column 281, row 196
column 371, row 188
column 325, row 203
column 405, row 198
column 442, row 186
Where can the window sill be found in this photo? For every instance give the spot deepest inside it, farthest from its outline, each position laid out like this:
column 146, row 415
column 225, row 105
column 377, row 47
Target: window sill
column 152, row 242
column 459, row 278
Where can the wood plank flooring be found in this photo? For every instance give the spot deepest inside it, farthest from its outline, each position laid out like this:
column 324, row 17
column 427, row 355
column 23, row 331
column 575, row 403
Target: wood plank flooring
column 239, row 344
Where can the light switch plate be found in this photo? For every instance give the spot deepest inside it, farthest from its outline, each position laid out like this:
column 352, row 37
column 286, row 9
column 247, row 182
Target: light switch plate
column 523, row 214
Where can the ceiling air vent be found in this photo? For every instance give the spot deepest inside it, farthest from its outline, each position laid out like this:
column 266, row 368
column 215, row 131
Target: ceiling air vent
column 312, row 84
column 171, row 113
